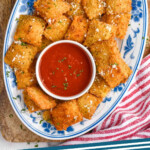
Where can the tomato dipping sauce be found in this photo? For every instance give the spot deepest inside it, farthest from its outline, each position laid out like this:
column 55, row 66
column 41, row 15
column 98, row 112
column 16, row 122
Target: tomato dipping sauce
column 65, row 69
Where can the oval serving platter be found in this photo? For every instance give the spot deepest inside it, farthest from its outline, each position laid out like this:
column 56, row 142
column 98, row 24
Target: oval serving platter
column 131, row 48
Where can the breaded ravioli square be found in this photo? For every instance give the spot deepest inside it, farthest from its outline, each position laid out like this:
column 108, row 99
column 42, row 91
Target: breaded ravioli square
column 57, row 30
column 51, row 9
column 32, row 107
column 118, row 6
column 109, row 62
column 100, row 88
column 42, row 100
column 66, row 114
column 94, row 8
column 77, row 30
column 99, row 31
column 30, row 30
column 88, row 104
column 25, row 79
column 121, row 21
column 20, row 56
column 76, row 9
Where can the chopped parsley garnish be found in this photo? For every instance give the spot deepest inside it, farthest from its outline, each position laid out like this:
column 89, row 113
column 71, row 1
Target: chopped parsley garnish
column 23, row 44
column 14, row 98
column 11, row 115
column 19, row 39
column 65, row 88
column 17, row 19
column 53, row 86
column 81, row 70
column 62, row 60
column 143, row 37
column 36, row 145
column 58, row 124
column 7, row 73
column 65, row 84
column 78, row 74
column 69, row 66
column 114, row 64
column 49, row 28
column 57, row 68
column 23, row 110
column 53, row 72
column 39, row 113
column 21, row 126
column 41, row 121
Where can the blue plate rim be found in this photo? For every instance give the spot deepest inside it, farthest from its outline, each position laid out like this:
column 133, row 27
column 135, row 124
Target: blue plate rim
column 90, row 127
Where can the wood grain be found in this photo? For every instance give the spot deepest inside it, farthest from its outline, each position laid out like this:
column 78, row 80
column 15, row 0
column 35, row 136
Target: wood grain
column 10, row 127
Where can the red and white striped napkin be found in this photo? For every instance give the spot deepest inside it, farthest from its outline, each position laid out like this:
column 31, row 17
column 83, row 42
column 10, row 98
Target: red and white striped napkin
column 131, row 119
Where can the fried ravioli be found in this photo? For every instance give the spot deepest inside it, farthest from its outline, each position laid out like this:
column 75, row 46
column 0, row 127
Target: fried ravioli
column 94, row 8
column 88, row 104
column 76, row 9
column 30, row 30
column 20, row 56
column 121, row 21
column 109, row 62
column 50, row 9
column 99, row 31
column 118, row 6
column 100, row 88
column 32, row 107
column 66, row 114
column 75, row 32
column 56, row 31
column 42, row 100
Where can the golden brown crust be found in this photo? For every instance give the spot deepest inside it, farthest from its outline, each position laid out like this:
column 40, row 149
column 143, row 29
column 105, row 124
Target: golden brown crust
column 99, row 31
column 118, row 6
column 25, row 79
column 42, row 100
column 88, row 104
column 109, row 63
column 94, row 8
column 76, row 32
column 100, row 88
column 121, row 21
column 49, row 9
column 30, row 30
column 76, row 9
column 32, row 107
column 66, row 114
column 57, row 30
column 20, row 56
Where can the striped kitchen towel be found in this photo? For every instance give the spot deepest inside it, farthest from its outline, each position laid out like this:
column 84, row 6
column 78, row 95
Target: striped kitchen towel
column 131, row 119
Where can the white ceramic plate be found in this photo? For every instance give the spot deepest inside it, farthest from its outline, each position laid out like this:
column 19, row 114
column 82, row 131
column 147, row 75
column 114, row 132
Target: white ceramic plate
column 131, row 48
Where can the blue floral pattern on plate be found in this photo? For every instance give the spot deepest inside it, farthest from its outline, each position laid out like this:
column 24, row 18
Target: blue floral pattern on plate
column 136, row 10
column 44, row 128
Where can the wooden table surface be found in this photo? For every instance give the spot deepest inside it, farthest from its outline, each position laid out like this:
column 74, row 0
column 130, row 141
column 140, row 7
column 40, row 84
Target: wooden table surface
column 5, row 11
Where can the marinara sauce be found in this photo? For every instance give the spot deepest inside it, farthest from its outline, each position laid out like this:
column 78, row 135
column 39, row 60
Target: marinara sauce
column 65, row 69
